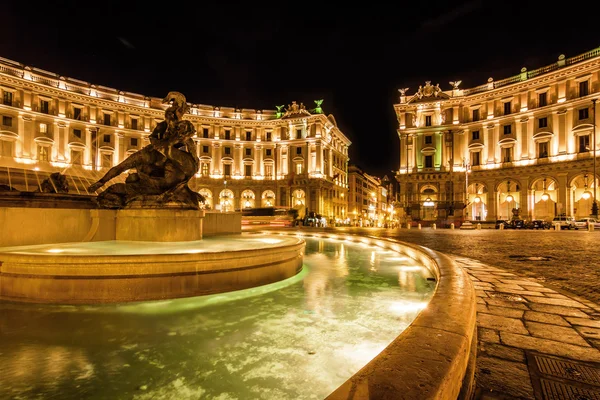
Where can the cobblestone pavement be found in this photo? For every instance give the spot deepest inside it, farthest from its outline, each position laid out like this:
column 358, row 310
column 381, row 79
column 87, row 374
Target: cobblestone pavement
column 537, row 308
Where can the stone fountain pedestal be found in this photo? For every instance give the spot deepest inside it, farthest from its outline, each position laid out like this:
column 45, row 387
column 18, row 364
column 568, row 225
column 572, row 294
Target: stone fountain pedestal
column 156, row 225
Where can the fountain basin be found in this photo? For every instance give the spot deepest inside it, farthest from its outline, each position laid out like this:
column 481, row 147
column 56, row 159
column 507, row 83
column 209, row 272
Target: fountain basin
column 125, row 271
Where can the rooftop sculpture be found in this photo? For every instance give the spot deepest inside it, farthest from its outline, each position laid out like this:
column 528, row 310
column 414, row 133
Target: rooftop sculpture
column 162, row 169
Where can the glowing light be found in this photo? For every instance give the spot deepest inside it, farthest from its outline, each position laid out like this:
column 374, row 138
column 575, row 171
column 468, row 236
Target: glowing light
column 55, row 250
column 428, row 202
column 509, row 198
column 477, row 199
column 545, row 196
column 586, row 195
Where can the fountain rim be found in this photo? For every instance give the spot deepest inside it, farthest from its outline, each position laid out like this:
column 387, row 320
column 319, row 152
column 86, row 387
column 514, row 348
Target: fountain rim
column 434, row 358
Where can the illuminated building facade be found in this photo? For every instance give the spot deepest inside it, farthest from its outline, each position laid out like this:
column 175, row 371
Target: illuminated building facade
column 249, row 158
column 524, row 145
column 366, row 205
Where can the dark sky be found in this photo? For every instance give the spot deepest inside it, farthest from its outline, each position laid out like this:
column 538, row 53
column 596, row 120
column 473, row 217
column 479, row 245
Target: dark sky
column 259, row 54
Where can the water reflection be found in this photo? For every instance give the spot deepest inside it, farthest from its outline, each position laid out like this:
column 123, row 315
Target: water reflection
column 293, row 340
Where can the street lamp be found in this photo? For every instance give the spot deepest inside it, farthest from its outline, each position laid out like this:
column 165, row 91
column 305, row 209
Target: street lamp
column 594, row 204
column 586, row 193
column 545, row 195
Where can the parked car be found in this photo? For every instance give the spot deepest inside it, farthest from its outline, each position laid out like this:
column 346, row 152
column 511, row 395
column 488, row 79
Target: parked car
column 539, row 224
column 585, row 222
column 503, row 222
column 517, row 224
column 565, row 222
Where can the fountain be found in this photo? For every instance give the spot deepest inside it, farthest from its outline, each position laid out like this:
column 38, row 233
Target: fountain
column 135, row 309
column 139, row 239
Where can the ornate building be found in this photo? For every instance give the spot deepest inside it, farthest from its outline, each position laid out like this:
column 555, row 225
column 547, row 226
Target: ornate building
column 525, row 143
column 249, row 158
column 368, row 202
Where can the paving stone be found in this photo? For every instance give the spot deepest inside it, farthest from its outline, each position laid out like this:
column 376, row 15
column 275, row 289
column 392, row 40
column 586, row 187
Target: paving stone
column 501, row 323
column 561, row 296
column 504, row 376
column 553, row 332
column 487, row 335
column 588, row 332
column 505, row 274
column 519, row 292
column 481, row 285
column 555, row 302
column 545, row 318
column 566, row 311
column 505, row 303
column 522, row 282
column 480, row 293
column 481, row 301
column 583, row 322
column 552, row 347
column 509, row 286
column 539, row 289
column 500, row 351
column 488, row 278
column 501, row 311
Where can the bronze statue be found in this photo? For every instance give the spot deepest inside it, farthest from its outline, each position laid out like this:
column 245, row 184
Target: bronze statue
column 162, row 169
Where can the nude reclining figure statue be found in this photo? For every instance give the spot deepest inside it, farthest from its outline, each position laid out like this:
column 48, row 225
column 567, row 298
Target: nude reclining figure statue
column 163, row 168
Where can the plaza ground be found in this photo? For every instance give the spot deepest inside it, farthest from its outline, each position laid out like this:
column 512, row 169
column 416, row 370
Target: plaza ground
column 538, row 307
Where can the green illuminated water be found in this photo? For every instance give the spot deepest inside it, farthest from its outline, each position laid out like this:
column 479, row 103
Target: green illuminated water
column 296, row 339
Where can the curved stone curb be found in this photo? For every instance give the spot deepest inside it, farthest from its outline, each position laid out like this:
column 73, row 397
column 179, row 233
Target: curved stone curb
column 434, row 357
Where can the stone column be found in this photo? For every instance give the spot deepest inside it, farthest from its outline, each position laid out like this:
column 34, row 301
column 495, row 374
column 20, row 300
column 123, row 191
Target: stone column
column 319, row 166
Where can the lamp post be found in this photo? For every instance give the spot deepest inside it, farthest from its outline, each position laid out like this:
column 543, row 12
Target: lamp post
column 594, row 204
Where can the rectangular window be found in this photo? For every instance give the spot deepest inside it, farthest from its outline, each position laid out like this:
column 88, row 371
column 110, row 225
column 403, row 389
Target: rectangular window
column 204, row 169
column 6, row 121
column 134, row 123
column 475, row 135
column 298, row 150
column 248, row 170
column 205, row 133
column 542, row 99
column 584, row 113
column 298, row 133
column 106, row 138
column 77, row 133
column 42, row 153
column 43, row 128
column 268, row 136
column 205, row 149
column 507, row 154
column 76, row 157
column 428, row 161
column 543, row 150
column 44, row 106
column 268, row 153
column 227, row 135
column 476, row 158
column 428, row 139
column 299, row 168
column 584, row 143
column 227, row 170
column 248, row 152
column 268, row 171
column 7, row 98
column 228, row 150
column 6, row 148
column 428, row 120
column 77, row 113
column 106, row 119
column 134, row 142
column 476, row 115
column 584, row 88
column 106, row 160
column 543, row 122
column 507, row 129
column 248, row 135
column 507, row 107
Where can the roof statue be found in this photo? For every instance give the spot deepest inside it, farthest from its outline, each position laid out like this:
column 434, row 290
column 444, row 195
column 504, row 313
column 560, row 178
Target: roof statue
column 455, row 84
column 295, row 110
column 279, row 113
column 318, row 109
column 403, row 91
column 162, row 169
column 428, row 90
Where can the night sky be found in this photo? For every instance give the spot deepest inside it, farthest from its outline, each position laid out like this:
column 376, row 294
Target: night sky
column 258, row 55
